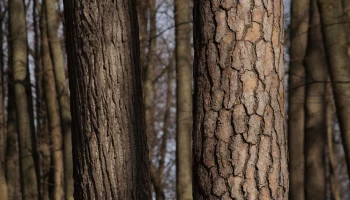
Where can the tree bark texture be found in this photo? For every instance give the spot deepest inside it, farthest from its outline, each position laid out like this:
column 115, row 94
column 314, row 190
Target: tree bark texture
column 315, row 113
column 20, row 77
column 335, row 38
column 109, row 143
column 296, row 88
column 52, row 108
column 240, row 144
column 63, row 95
column 183, row 100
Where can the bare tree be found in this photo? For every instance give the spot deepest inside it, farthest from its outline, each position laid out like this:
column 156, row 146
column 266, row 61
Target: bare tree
column 315, row 110
column 183, row 99
column 296, row 113
column 21, row 82
column 335, row 39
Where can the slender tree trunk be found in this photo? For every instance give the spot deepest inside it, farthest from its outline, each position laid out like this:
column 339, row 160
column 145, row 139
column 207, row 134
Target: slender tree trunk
column 148, row 79
column 142, row 14
column 3, row 139
column 315, row 120
column 240, row 144
column 53, row 112
column 335, row 39
column 20, row 74
column 63, row 96
column 183, row 99
column 296, row 89
column 334, row 184
column 109, row 142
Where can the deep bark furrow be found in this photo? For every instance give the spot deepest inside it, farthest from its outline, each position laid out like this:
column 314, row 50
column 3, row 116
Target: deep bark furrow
column 109, row 142
column 239, row 130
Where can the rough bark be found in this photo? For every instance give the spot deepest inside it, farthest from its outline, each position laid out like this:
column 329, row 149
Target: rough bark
column 335, row 39
column 240, row 148
column 296, row 89
column 109, row 143
column 52, row 113
column 183, row 100
column 21, row 77
column 63, row 95
column 315, row 105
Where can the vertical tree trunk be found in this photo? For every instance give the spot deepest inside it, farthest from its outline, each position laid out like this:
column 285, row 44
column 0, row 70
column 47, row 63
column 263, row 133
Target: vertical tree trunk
column 240, row 144
column 296, row 89
column 183, row 100
column 335, row 39
column 20, row 74
column 63, row 96
column 148, row 78
column 315, row 120
column 12, row 169
column 3, row 139
column 53, row 112
column 334, row 184
column 109, row 142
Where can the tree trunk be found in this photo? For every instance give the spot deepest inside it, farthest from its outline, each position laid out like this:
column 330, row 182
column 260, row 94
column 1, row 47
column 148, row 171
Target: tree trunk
column 109, row 143
column 3, row 183
column 63, row 95
column 53, row 112
column 240, row 144
column 296, row 89
column 21, row 77
column 334, row 176
column 335, row 39
column 183, row 100
column 12, row 169
column 315, row 105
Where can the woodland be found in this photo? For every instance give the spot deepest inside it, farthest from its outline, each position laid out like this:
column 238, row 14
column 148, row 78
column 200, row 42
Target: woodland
column 174, row 99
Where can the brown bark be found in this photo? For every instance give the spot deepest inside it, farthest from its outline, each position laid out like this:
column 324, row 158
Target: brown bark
column 315, row 105
column 63, row 95
column 109, row 142
column 53, row 113
column 183, row 100
column 296, row 89
column 335, row 39
column 21, row 78
column 240, row 148
column 12, row 169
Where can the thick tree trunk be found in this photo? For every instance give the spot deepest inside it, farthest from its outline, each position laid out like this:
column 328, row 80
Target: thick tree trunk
column 20, row 74
column 109, row 143
column 335, row 38
column 296, row 89
column 315, row 105
column 240, row 144
column 63, row 95
column 53, row 113
column 183, row 100
column 12, row 169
